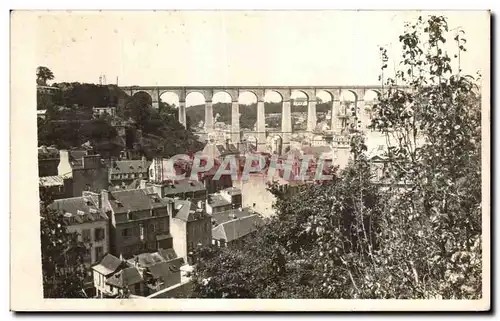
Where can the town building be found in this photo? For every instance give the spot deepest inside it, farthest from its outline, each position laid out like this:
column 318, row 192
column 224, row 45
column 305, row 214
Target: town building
column 217, row 150
column 226, row 199
column 231, row 232
column 142, row 275
column 85, row 218
column 41, row 113
column 87, row 172
column 55, row 187
column 98, row 111
column 139, row 221
column 48, row 160
column 123, row 172
column 183, row 189
column 190, row 226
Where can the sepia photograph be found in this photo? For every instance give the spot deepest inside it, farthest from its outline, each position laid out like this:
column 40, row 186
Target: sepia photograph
column 195, row 156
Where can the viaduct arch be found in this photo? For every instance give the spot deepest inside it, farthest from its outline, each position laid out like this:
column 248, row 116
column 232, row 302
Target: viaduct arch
column 359, row 93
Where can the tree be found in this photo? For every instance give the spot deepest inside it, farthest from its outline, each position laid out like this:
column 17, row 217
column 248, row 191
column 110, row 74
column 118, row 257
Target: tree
column 433, row 132
column 62, row 255
column 416, row 236
column 43, row 74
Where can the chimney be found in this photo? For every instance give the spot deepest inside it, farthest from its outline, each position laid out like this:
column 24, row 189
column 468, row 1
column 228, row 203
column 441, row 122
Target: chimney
column 170, row 207
column 227, row 143
column 104, row 198
column 142, row 184
column 64, row 167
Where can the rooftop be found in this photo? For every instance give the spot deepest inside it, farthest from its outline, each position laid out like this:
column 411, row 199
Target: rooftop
column 135, row 200
column 78, row 210
column 226, row 216
column 47, row 181
column 216, row 200
column 236, row 228
column 187, row 211
column 129, row 166
column 108, row 265
column 127, row 276
column 232, row 191
column 183, row 186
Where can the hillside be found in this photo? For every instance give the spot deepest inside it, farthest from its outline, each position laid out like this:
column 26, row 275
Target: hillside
column 70, row 122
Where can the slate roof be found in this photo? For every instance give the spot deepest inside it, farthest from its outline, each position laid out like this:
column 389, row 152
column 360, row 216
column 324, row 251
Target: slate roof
column 48, row 152
column 233, row 191
column 108, row 265
column 135, row 200
column 166, row 268
column 168, row 254
column 129, row 166
column 186, row 211
column 51, row 180
column 216, row 200
column 236, row 228
column 226, row 216
column 125, row 277
column 147, row 259
column 82, row 209
column 184, row 186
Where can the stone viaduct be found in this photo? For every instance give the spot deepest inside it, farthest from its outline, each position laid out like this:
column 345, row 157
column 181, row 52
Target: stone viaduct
column 359, row 93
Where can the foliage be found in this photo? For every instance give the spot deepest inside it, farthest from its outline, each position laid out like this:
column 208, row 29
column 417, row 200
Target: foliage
column 162, row 134
column 414, row 233
column 43, row 74
column 62, row 255
column 433, row 133
column 88, row 95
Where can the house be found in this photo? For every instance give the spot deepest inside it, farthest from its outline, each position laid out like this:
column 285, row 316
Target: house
column 86, row 172
column 98, row 111
column 218, row 151
column 55, row 186
column 48, row 160
column 84, row 217
column 141, row 275
column 226, row 216
column 41, row 113
column 224, row 200
column 139, row 221
column 102, row 270
column 190, row 226
column 183, row 189
column 217, row 203
column 123, row 172
column 235, row 230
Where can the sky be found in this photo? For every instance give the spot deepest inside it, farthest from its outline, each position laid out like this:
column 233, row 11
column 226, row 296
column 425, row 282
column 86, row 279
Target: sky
column 196, row 48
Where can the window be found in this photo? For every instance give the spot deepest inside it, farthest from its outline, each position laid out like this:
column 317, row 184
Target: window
column 137, row 288
column 152, row 227
column 126, row 232
column 141, row 231
column 86, row 235
column 98, row 252
column 98, row 234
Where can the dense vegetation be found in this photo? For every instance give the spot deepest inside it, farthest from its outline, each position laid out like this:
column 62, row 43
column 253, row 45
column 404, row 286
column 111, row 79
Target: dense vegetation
column 63, row 255
column 162, row 134
column 417, row 235
column 70, row 122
